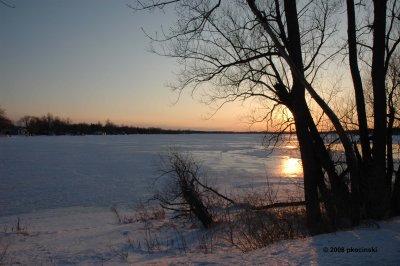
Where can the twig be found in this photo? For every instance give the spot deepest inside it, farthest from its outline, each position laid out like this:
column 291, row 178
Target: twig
column 279, row 205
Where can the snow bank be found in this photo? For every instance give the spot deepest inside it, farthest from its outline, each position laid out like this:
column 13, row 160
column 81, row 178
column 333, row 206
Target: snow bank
column 92, row 236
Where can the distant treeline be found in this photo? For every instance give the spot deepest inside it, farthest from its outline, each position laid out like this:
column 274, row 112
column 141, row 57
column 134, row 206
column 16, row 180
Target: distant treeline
column 53, row 125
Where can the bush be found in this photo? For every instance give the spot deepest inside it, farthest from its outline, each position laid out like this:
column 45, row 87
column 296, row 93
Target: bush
column 182, row 186
column 253, row 229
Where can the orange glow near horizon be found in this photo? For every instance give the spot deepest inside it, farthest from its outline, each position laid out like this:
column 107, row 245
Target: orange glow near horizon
column 186, row 114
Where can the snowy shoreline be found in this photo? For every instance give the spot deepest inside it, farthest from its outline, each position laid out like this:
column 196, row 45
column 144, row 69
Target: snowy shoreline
column 43, row 179
column 92, row 236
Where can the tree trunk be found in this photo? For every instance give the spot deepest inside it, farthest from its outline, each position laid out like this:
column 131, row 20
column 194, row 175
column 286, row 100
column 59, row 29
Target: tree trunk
column 193, row 199
column 310, row 170
column 337, row 199
column 378, row 198
column 299, row 109
column 357, row 83
column 364, row 160
column 389, row 145
column 396, row 194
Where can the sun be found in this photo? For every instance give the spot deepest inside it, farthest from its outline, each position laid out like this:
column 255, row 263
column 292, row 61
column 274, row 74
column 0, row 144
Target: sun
column 292, row 167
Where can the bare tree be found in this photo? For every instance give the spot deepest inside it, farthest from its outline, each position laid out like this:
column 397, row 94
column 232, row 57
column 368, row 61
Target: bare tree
column 183, row 187
column 375, row 40
column 275, row 50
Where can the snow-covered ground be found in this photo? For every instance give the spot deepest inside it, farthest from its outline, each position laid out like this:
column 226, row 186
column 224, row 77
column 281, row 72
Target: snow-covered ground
column 60, row 189
column 87, row 236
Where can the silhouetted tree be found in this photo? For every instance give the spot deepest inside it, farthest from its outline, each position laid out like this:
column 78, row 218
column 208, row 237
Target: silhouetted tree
column 375, row 40
column 54, row 125
column 5, row 122
column 275, row 50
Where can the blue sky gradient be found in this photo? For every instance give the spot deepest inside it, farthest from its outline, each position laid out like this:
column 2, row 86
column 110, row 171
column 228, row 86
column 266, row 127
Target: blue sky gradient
column 88, row 60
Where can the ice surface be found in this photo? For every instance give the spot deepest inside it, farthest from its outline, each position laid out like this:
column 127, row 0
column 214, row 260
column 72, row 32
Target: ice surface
column 38, row 173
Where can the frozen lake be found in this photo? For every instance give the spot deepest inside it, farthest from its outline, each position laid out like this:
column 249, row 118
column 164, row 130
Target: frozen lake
column 48, row 172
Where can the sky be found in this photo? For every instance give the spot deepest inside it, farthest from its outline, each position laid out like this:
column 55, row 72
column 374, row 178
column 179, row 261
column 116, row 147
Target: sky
column 89, row 61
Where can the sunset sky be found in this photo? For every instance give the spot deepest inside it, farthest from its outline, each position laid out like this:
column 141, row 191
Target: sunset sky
column 88, row 60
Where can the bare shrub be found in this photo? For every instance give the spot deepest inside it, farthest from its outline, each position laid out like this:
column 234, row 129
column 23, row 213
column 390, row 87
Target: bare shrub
column 148, row 213
column 17, row 228
column 250, row 229
column 152, row 240
column 182, row 187
column 178, row 240
column 156, row 239
column 260, row 219
column 142, row 213
column 3, row 253
column 207, row 241
column 122, row 219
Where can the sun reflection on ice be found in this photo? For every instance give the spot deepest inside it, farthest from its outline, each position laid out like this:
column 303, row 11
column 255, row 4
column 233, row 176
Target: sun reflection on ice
column 291, row 167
